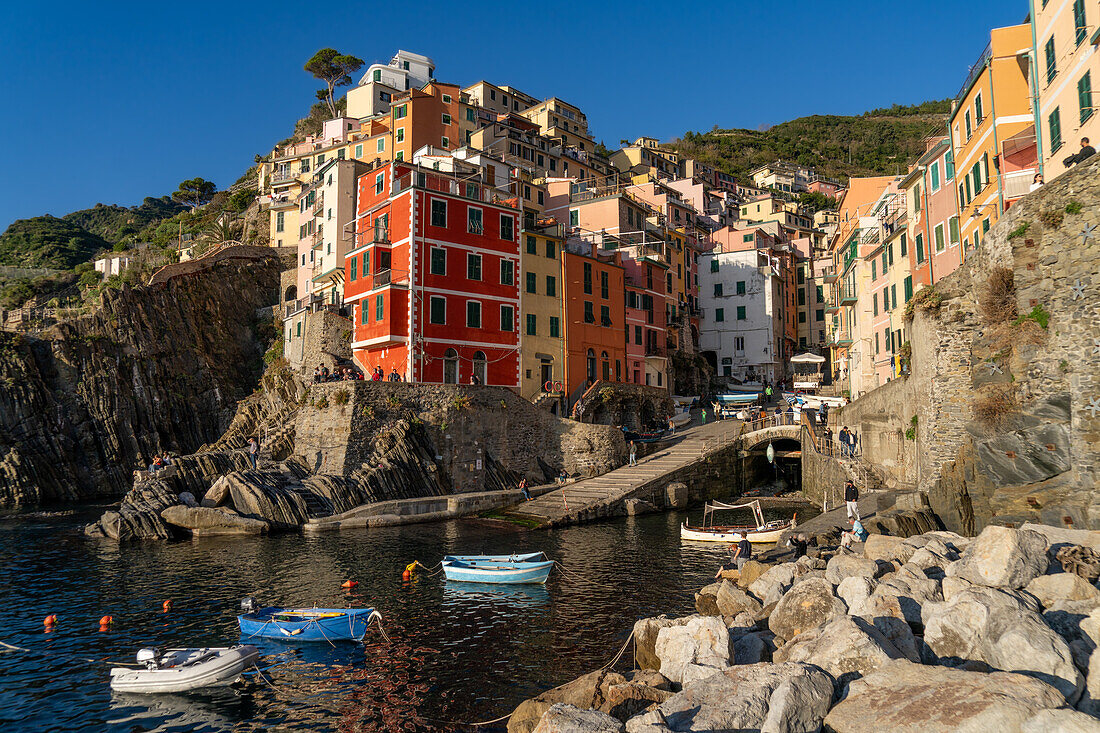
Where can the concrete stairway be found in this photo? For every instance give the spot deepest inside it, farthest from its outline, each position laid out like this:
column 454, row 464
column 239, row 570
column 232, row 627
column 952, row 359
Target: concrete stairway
column 690, row 445
column 315, row 508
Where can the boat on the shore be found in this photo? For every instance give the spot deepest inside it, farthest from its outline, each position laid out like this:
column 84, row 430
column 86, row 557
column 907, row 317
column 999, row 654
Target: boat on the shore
column 530, row 567
column 760, row 533
column 181, row 670
column 305, row 624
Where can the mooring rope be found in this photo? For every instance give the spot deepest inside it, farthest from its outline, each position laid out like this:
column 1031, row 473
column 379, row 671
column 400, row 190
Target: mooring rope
column 577, row 578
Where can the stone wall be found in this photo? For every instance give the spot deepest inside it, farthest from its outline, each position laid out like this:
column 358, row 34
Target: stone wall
column 880, row 419
column 235, row 252
column 1008, row 410
column 822, row 477
column 484, row 437
column 634, row 406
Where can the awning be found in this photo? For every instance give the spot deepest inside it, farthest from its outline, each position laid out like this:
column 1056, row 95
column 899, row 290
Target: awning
column 807, row 358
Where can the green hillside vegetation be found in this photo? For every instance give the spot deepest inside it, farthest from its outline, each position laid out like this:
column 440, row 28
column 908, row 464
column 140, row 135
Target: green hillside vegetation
column 879, row 142
column 46, row 241
column 115, row 223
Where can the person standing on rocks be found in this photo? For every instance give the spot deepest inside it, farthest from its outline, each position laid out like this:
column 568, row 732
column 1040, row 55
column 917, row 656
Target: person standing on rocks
column 633, row 454
column 742, row 550
column 253, row 451
column 851, row 500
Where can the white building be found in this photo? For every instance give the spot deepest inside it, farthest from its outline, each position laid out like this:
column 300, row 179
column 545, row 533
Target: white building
column 740, row 294
column 372, row 96
column 114, row 264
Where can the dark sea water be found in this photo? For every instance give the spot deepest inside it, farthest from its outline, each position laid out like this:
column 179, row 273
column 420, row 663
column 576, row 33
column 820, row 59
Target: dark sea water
column 457, row 652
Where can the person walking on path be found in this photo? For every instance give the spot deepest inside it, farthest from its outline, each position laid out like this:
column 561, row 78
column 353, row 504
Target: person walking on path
column 851, row 500
column 253, row 450
column 633, row 454
column 768, row 393
column 523, row 488
column 704, row 416
column 843, row 437
column 824, row 413
column 671, row 427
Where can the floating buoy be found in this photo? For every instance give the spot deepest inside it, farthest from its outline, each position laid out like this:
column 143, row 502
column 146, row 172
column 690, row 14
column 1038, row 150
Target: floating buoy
column 167, row 606
column 350, row 584
column 105, row 623
column 406, row 575
column 50, row 620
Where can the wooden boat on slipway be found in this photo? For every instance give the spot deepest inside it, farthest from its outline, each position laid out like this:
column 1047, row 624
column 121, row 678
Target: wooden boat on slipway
column 760, row 533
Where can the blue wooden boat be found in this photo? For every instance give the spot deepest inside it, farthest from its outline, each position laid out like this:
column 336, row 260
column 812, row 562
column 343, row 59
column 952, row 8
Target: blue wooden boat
column 306, row 624
column 530, row 567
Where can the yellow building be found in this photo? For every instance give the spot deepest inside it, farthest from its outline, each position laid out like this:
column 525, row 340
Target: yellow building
column 993, row 132
column 563, row 121
column 542, row 318
column 1065, row 36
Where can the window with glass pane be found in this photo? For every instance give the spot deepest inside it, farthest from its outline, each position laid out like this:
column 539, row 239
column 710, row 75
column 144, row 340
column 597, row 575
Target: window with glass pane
column 532, row 323
column 473, row 314
column 740, row 287
column 507, row 317
column 473, row 220
column 473, row 267
column 719, row 314
column 439, row 213
column 507, row 272
column 555, row 327
column 439, row 261
column 551, row 286
column 507, row 227
column 741, row 313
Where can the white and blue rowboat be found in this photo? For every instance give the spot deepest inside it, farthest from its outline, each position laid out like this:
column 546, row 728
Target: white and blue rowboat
column 305, row 624
column 531, row 567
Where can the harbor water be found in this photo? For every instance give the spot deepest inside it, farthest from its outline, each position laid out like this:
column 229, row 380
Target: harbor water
column 456, row 652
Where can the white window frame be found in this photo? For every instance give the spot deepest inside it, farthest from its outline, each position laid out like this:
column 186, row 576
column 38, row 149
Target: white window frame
column 380, row 183
column 431, row 260
column 431, row 212
column 512, row 222
column 511, row 321
column 480, row 266
column 480, row 220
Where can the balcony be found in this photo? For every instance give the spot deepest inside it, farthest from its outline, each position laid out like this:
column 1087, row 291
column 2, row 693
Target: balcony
column 975, row 72
column 284, row 175
column 1017, row 184
column 280, row 203
column 318, row 206
column 655, row 351
column 386, row 279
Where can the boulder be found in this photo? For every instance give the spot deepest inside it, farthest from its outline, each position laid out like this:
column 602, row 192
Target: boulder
column 1090, row 701
column 1003, row 630
column 587, row 692
column 707, row 604
column 752, row 648
column 625, row 701
column 750, row 571
column 855, row 590
column 677, row 495
column 204, row 521
column 138, row 516
column 217, row 494
column 775, row 581
column 951, row 586
column 903, row 697
column 788, row 697
column 884, row 547
column 884, row 612
column 930, row 557
column 635, row 507
column 263, row 495
column 1082, row 561
column 731, row 601
column 1090, row 626
column 912, row 589
column 698, row 648
column 1063, row 587
column 844, row 565
column 645, row 639
column 846, row 647
column 805, row 606
column 563, row 718
column 1062, row 721
column 807, row 563
column 1003, row 557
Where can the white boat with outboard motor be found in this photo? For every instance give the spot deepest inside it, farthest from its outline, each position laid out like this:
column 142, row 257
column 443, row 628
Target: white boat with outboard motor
column 181, row 670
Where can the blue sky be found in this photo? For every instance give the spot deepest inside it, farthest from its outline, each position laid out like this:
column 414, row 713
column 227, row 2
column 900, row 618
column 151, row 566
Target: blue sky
column 112, row 102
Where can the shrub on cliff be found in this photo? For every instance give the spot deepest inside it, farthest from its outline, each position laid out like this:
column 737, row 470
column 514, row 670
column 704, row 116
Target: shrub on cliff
column 994, row 405
column 340, row 397
column 999, row 302
column 926, row 299
column 46, row 241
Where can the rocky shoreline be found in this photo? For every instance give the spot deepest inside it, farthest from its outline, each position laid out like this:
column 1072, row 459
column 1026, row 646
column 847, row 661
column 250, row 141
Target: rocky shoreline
column 929, row 632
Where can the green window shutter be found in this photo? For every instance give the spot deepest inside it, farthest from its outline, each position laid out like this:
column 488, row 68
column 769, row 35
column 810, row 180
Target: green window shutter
column 935, row 176
column 531, row 324
column 740, row 312
column 874, row 269
column 949, row 166
column 531, row 244
column 908, row 288
column 953, row 226
column 1054, row 122
column 920, row 248
column 555, row 328
column 1084, row 96
column 1051, row 59
column 551, row 286
column 379, row 307
column 1080, row 29
column 354, row 268
column 714, row 265
column 364, row 313
column 719, row 314
column 530, row 282
column 904, row 244
column 874, row 304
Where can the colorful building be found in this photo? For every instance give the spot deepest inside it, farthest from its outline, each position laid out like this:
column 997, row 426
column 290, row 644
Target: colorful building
column 931, row 215
column 992, row 129
column 433, row 279
column 594, row 316
column 542, row 310
column 1065, row 36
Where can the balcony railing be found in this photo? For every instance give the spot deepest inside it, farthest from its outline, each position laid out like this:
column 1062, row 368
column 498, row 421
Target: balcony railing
column 656, row 351
column 975, row 71
column 282, row 176
column 1018, row 183
column 387, row 278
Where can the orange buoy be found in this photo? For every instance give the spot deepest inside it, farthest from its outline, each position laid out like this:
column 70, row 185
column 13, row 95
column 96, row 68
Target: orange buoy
column 50, row 620
column 167, row 606
column 349, row 584
column 406, row 575
column 105, row 623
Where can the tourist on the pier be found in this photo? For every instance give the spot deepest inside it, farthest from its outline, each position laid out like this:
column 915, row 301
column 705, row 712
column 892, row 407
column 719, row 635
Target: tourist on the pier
column 324, row 374
column 394, row 376
column 798, row 542
column 377, row 376
column 316, row 374
column 846, row 538
column 768, row 393
column 823, row 412
column 742, row 550
column 633, row 454
column 156, row 465
column 253, row 451
column 523, row 488
column 859, row 531
column 671, row 427
column 851, row 500
column 166, row 459
column 704, row 416
column 562, row 476
column 1036, row 182
column 843, row 438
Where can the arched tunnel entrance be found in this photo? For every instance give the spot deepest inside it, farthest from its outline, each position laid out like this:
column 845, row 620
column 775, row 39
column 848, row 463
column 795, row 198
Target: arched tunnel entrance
column 783, row 474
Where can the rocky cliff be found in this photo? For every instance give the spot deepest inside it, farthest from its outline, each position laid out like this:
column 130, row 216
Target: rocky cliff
column 999, row 422
column 152, row 369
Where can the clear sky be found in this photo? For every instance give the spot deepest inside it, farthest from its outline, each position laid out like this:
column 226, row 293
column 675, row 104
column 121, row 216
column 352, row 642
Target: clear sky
column 111, row 102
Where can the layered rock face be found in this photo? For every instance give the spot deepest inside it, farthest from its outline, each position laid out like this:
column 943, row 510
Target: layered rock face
column 152, row 369
column 930, row 632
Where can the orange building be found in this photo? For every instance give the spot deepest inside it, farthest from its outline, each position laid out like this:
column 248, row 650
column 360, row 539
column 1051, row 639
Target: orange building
column 594, row 315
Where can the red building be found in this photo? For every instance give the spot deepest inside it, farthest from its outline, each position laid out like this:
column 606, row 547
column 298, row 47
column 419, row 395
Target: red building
column 433, row 278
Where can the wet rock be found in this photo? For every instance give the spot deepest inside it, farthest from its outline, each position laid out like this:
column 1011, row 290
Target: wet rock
column 645, row 639
column 732, row 601
column 845, row 565
column 846, row 647
column 205, row 521
column 765, row 697
column 263, row 495
column 587, row 693
column 1063, row 587
column 1003, row 557
column 138, row 517
column 692, row 651
column 635, row 507
column 805, row 606
column 903, row 697
column 563, row 718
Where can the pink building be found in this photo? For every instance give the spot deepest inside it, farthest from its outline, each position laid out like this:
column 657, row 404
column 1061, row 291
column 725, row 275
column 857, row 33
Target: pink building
column 932, row 217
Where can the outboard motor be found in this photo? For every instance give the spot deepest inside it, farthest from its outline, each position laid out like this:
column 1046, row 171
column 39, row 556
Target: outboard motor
column 149, row 657
column 249, row 605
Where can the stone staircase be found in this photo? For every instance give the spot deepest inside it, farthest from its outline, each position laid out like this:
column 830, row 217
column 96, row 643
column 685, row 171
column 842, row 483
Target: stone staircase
column 690, row 445
column 315, row 507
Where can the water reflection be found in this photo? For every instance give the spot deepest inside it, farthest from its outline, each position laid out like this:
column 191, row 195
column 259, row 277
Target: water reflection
column 457, row 651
